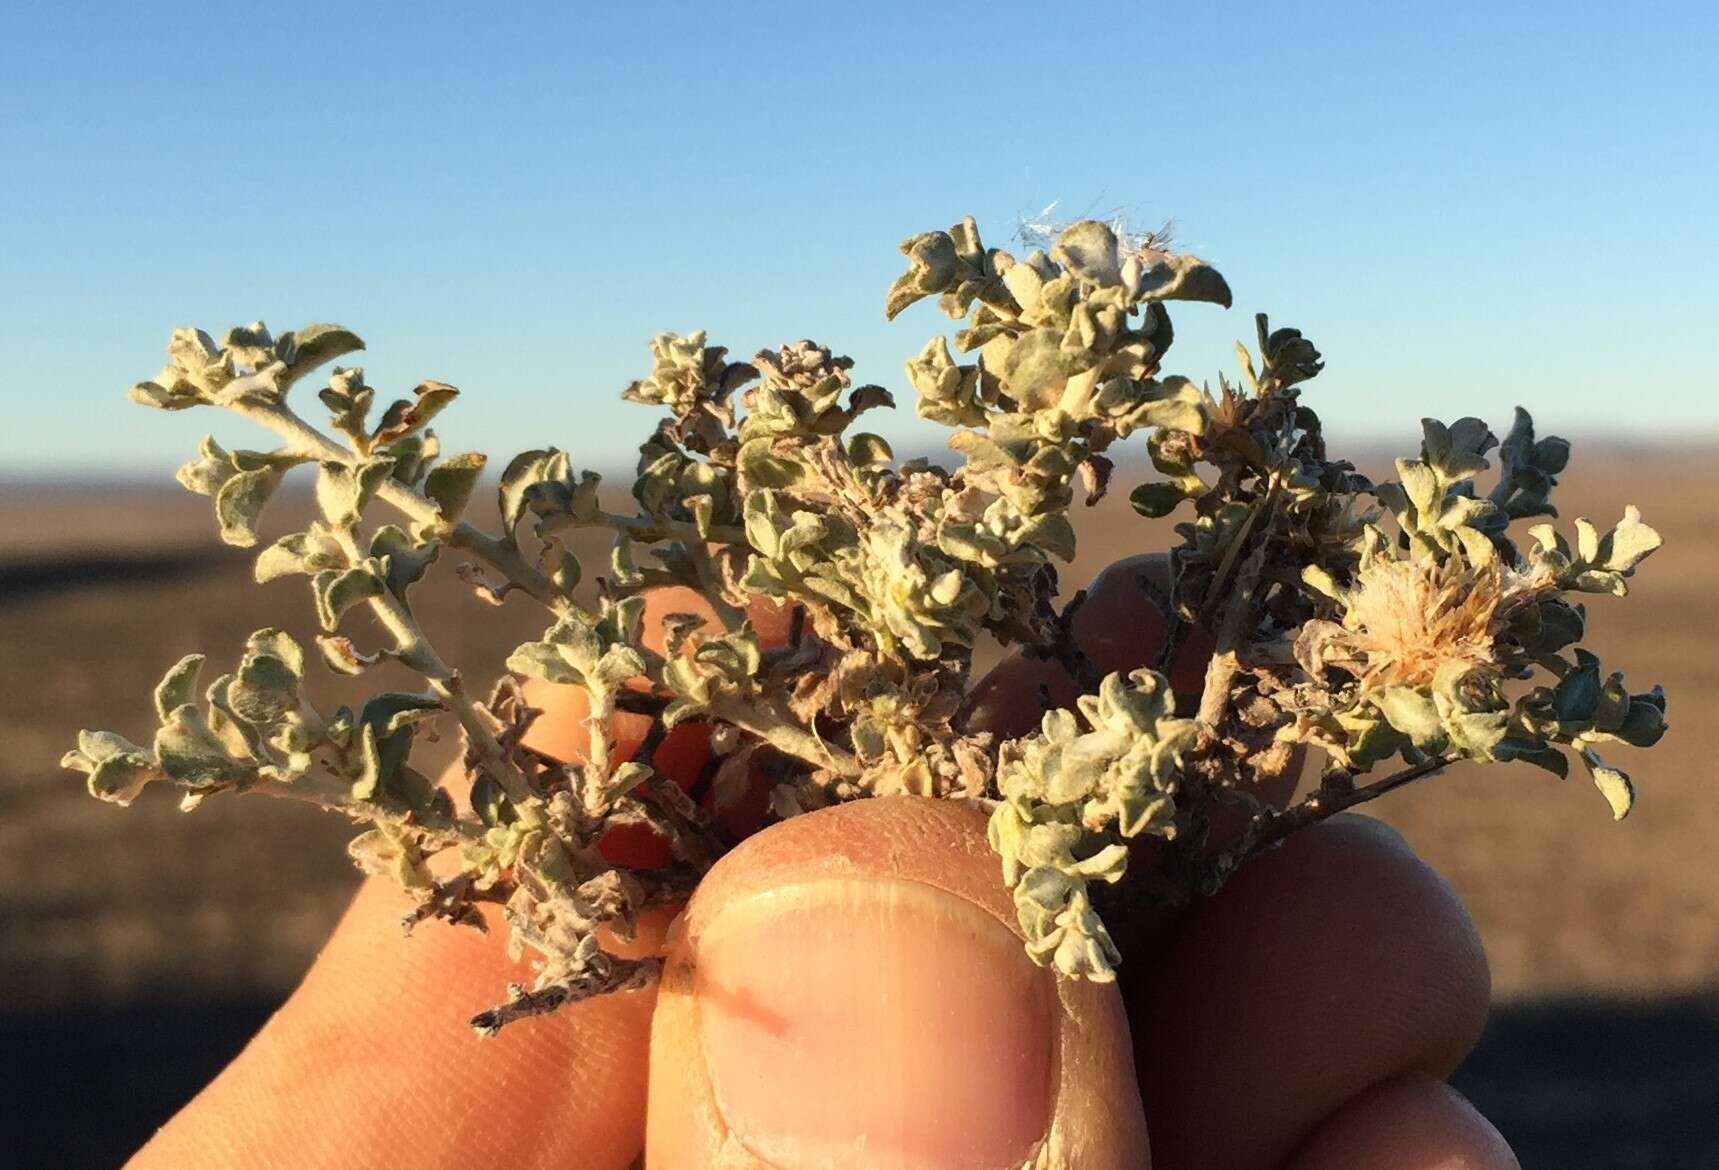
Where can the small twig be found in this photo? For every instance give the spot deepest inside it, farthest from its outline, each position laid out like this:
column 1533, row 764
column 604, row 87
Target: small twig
column 647, row 749
column 307, row 440
column 649, row 530
column 614, row 974
column 710, row 582
column 1271, row 829
column 640, row 702
column 706, row 778
column 786, row 736
column 1220, row 675
column 332, row 794
column 412, row 647
column 1064, row 648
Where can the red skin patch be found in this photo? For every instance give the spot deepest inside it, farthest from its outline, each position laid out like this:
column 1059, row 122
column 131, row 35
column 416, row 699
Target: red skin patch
column 684, row 752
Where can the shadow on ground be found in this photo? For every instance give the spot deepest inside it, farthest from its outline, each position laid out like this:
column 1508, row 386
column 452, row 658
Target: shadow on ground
column 1580, row 1085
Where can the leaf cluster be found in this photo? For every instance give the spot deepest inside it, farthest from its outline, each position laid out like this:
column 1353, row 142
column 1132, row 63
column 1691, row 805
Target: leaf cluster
column 1401, row 621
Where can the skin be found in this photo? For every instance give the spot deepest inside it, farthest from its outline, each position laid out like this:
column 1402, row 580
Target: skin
column 844, row 990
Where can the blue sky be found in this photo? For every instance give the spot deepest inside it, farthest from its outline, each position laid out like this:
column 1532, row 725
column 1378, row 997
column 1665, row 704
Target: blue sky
column 1466, row 206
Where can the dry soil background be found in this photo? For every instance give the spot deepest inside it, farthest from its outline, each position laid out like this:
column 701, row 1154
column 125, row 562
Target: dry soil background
column 138, row 948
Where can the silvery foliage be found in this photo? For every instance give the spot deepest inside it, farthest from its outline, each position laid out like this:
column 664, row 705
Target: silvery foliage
column 1374, row 622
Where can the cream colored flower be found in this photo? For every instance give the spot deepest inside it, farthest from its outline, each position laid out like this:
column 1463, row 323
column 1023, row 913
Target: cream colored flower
column 1407, row 618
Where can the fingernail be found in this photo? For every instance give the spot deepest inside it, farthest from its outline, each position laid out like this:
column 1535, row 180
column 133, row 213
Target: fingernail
column 875, row 1023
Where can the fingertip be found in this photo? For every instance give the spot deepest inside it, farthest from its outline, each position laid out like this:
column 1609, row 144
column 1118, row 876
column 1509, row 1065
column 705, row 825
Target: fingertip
column 1407, row 1125
column 1014, row 695
column 850, row 991
column 1337, row 962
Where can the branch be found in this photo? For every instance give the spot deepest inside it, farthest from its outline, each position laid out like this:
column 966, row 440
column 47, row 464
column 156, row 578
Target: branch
column 1064, row 648
column 647, row 530
column 413, row 649
column 307, row 440
column 1268, row 830
column 334, row 795
column 612, row 974
column 788, row 737
column 1220, row 675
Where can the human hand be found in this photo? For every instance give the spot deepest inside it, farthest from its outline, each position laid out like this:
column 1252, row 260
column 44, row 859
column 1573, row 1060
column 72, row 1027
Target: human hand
column 846, row 990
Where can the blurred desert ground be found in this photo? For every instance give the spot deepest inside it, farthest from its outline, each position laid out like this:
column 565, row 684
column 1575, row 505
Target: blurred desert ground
column 139, row 949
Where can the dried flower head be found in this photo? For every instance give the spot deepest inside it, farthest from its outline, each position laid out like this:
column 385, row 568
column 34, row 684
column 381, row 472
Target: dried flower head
column 1409, row 619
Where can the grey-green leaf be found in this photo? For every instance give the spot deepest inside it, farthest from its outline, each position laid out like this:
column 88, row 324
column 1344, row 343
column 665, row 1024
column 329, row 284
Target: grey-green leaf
column 869, row 450
column 264, row 689
column 406, row 562
column 1089, row 250
column 178, row 686
column 304, row 349
column 1615, row 786
column 308, row 552
column 1154, row 500
column 336, row 592
column 932, row 264
column 1413, row 714
column 117, row 768
column 1184, row 278
column 191, row 754
column 240, row 502
column 450, row 483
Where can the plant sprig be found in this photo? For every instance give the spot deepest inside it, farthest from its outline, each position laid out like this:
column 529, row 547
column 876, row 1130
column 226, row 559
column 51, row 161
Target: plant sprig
column 1399, row 621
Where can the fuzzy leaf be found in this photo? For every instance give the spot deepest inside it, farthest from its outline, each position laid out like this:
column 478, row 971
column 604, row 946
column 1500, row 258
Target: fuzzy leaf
column 336, row 592
column 524, row 470
column 405, row 417
column 178, row 686
column 406, row 562
column 1613, row 783
column 932, row 262
column 1626, row 545
column 1154, row 500
column 450, row 483
column 192, row 755
column 264, row 689
column 1412, row 713
column 1533, row 752
column 1184, row 278
column 1089, row 250
column 868, row 450
column 343, row 490
column 1577, row 695
column 210, row 471
column 309, row 552
column 117, row 768
column 306, row 348
column 240, row 502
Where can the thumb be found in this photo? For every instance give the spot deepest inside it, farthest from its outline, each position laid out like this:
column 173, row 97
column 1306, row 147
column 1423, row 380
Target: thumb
column 848, row 990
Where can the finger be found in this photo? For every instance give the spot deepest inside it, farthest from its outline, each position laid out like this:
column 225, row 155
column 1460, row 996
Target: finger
column 1413, row 1124
column 372, row 1057
column 1119, row 626
column 371, row 1062
column 849, row 990
column 563, row 731
column 1337, row 963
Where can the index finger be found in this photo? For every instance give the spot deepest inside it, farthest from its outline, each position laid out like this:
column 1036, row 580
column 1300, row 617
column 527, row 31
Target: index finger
column 371, row 1062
